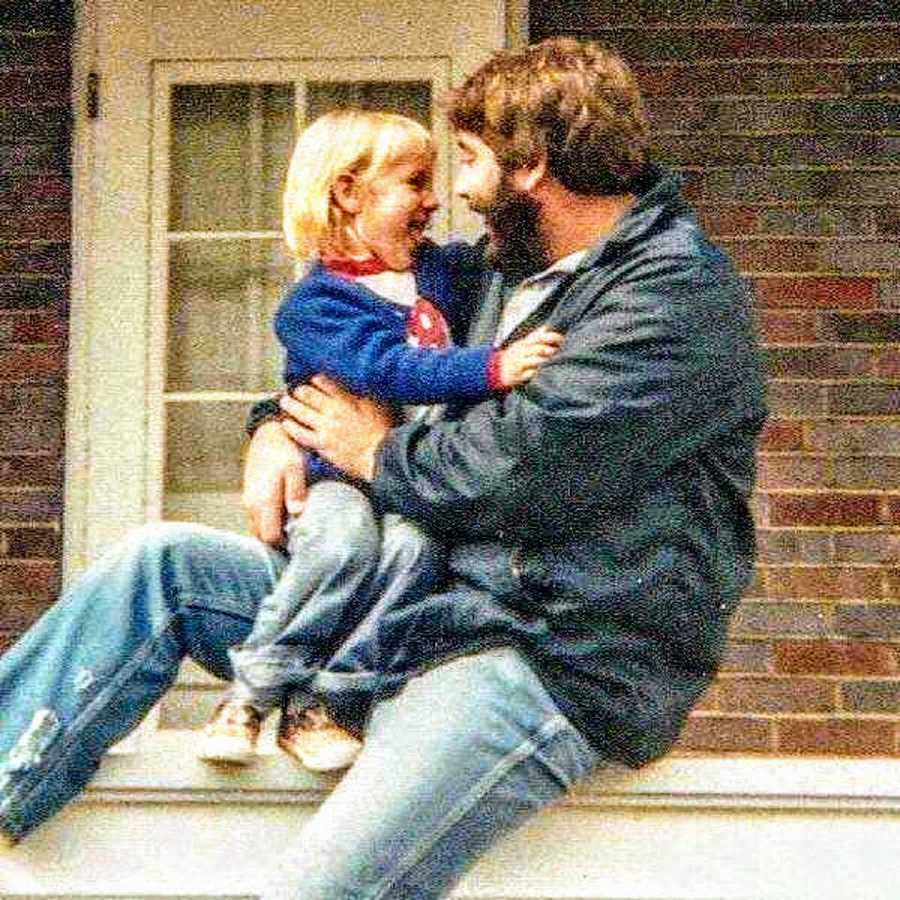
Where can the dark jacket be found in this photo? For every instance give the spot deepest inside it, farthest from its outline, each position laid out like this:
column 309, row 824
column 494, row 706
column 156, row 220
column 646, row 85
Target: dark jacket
column 607, row 500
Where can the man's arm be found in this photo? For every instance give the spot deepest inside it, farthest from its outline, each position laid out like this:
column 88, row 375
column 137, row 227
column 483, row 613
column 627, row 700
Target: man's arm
column 647, row 376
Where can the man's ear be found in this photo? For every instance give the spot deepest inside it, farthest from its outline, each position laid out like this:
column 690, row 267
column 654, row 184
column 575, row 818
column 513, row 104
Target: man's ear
column 528, row 177
column 345, row 191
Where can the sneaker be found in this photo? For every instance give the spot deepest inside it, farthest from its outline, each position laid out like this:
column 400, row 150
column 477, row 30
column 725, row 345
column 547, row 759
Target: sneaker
column 316, row 741
column 231, row 734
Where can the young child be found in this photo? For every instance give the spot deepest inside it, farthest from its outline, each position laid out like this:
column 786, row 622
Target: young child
column 374, row 311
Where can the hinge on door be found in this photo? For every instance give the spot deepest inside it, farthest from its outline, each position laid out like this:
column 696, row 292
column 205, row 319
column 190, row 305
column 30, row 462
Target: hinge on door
column 93, row 96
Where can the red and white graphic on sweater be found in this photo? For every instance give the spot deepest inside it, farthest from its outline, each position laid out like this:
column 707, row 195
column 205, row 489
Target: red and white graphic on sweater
column 426, row 327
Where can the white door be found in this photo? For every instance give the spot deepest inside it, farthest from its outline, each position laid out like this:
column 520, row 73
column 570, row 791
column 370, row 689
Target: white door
column 178, row 259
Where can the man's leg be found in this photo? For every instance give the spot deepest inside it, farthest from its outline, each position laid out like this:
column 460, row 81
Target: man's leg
column 89, row 670
column 460, row 757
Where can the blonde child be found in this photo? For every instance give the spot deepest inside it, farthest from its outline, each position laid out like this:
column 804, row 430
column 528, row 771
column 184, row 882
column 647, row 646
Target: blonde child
column 375, row 311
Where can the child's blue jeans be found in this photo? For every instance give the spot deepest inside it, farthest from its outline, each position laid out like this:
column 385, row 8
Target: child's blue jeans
column 346, row 570
column 451, row 763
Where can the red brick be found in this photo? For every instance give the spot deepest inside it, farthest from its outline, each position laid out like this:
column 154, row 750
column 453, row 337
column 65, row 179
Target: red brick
column 747, row 656
column 32, row 507
column 817, row 657
column 44, row 50
column 47, row 87
column 821, row 583
column 786, row 472
column 866, row 399
column 37, row 329
column 32, row 543
column 887, row 364
column 768, row 255
column 32, row 364
column 776, row 695
column 878, row 697
column 866, row 473
column 841, row 436
column 36, row 190
column 825, row 509
column 836, row 736
column 31, row 434
column 892, row 582
column 18, row 613
column 796, row 398
column 876, row 547
column 743, row 78
column 37, row 579
column 729, row 220
column 30, row 471
column 737, row 43
column 819, row 362
column 782, row 434
column 24, row 224
column 787, row 545
column 892, row 510
column 868, row 620
column 818, row 293
column 788, row 326
column 780, row 619
column 717, row 734
column 44, row 259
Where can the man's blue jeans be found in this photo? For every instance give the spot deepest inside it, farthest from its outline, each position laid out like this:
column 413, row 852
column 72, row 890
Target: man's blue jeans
column 459, row 757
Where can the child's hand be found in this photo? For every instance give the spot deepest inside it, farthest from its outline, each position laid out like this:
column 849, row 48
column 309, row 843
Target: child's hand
column 521, row 359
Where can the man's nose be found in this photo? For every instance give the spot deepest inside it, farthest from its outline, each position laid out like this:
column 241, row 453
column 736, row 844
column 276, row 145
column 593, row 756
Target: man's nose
column 430, row 200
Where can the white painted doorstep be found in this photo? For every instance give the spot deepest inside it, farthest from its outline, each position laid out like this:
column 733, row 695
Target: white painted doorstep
column 158, row 823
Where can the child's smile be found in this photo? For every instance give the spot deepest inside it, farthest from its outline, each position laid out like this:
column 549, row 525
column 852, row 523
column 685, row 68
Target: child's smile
column 395, row 210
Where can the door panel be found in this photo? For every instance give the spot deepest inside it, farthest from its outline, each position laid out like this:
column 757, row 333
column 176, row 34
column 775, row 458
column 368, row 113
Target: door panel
column 178, row 257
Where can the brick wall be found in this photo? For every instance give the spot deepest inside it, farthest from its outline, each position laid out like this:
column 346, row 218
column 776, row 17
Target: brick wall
column 784, row 120
column 34, row 264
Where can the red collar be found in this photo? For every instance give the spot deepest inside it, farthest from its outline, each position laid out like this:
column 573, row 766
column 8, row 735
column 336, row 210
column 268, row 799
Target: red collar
column 354, row 268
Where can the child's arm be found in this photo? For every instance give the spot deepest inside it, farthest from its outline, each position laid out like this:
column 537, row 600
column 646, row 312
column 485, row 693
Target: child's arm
column 364, row 347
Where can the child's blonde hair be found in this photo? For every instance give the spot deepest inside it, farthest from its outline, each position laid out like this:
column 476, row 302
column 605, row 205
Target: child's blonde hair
column 355, row 142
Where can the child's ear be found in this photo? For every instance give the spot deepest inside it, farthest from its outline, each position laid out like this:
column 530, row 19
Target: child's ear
column 346, row 193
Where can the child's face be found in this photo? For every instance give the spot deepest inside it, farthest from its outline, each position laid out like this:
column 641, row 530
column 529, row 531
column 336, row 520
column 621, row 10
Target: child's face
column 395, row 209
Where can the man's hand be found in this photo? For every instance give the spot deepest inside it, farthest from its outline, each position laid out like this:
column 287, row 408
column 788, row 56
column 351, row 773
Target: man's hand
column 274, row 481
column 342, row 428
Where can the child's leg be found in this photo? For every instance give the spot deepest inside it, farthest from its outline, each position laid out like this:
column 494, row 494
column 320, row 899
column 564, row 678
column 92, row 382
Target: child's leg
column 334, row 547
column 411, row 564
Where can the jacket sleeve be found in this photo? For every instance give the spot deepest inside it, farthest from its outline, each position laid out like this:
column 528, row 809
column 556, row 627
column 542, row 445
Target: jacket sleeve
column 649, row 373
column 371, row 357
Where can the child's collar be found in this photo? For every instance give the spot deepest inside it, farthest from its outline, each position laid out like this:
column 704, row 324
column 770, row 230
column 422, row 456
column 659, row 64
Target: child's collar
column 354, row 268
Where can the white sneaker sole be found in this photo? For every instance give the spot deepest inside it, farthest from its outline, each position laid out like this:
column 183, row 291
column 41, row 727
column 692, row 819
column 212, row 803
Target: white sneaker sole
column 225, row 750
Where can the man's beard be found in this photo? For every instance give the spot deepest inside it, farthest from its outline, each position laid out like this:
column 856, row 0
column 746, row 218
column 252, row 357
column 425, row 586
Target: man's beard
column 516, row 248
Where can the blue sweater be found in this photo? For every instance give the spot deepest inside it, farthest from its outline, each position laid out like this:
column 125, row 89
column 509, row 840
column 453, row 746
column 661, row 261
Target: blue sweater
column 334, row 326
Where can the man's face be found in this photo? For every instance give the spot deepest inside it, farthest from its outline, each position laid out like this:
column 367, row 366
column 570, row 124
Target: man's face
column 510, row 216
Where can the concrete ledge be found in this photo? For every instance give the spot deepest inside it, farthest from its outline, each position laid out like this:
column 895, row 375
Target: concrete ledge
column 165, row 769
column 157, row 823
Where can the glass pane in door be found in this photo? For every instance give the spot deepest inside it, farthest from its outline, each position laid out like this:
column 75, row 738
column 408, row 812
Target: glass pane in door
column 410, row 98
column 230, row 147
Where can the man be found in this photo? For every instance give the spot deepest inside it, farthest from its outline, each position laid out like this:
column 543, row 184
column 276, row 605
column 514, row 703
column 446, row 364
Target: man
column 597, row 519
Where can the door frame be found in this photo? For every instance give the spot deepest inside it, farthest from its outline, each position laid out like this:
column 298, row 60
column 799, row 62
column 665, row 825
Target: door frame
column 117, row 42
